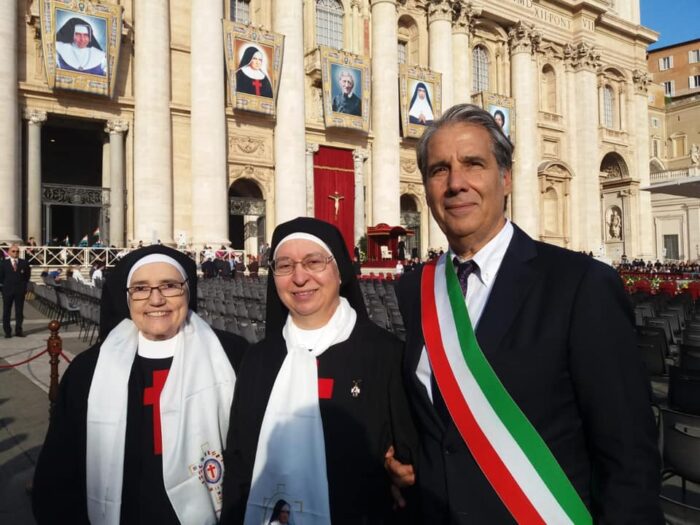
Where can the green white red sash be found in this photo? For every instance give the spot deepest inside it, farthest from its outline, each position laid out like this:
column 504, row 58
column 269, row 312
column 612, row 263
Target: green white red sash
column 510, row 452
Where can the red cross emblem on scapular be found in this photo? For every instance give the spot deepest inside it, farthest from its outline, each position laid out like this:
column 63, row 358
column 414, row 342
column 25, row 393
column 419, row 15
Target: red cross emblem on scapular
column 325, row 386
column 151, row 396
column 257, row 85
column 212, row 471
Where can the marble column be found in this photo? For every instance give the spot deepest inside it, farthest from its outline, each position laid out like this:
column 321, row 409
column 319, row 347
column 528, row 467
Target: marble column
column 571, row 145
column 290, row 128
column 440, row 45
column 357, row 26
column 208, row 126
column 153, row 150
column 524, row 41
column 311, row 148
column 35, row 121
column 385, row 113
column 641, row 79
column 464, row 18
column 359, row 156
column 117, row 176
column 10, row 187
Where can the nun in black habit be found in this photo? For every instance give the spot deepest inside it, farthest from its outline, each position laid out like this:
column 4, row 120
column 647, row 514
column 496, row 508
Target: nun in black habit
column 137, row 432
column 319, row 400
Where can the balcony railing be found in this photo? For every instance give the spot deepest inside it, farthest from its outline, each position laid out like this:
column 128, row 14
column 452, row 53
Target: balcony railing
column 669, row 175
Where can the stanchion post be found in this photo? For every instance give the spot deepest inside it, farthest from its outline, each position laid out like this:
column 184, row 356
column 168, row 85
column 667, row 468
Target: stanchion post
column 54, row 347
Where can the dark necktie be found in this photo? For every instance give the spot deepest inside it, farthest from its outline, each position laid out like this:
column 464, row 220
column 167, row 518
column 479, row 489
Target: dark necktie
column 464, row 270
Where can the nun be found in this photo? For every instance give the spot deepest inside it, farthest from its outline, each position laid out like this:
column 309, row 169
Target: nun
column 320, row 399
column 421, row 109
column 251, row 77
column 138, row 430
column 77, row 49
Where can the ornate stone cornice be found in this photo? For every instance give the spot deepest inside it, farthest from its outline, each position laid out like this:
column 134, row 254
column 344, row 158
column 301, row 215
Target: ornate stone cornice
column 311, row 148
column 641, row 81
column 248, row 145
column 582, row 56
column 440, row 10
column 464, row 17
column 523, row 38
column 35, row 116
column 116, row 126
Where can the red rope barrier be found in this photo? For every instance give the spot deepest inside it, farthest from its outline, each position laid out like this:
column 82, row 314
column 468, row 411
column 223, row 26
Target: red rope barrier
column 25, row 361
column 66, row 357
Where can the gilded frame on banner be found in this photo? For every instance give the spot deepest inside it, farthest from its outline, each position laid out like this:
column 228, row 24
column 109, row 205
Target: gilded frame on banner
column 81, row 41
column 347, row 88
column 420, row 95
column 501, row 107
column 253, row 66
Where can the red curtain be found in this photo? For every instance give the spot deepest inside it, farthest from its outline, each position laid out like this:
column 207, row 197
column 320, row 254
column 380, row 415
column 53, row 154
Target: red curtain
column 334, row 190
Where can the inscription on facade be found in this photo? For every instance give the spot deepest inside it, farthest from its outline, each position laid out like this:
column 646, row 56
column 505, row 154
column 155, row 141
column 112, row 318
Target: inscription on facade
column 544, row 14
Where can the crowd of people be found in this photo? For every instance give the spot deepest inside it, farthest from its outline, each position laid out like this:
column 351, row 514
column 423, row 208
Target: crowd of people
column 691, row 268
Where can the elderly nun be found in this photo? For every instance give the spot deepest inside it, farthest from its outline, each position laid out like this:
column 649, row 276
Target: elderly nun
column 138, row 431
column 320, row 399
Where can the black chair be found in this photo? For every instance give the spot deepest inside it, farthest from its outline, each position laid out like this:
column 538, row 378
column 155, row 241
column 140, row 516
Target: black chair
column 680, row 435
column 653, row 357
column 663, row 323
column 677, row 513
column 684, row 390
column 654, row 334
column 690, row 358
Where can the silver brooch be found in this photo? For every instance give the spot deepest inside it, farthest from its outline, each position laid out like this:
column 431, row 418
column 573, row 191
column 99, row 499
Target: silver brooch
column 355, row 390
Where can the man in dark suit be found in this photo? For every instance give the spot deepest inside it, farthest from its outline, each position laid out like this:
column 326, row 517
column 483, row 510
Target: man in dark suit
column 14, row 276
column 347, row 101
column 541, row 413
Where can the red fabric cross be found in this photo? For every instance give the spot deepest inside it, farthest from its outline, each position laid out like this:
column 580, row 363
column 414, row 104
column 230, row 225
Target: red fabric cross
column 325, row 386
column 257, row 85
column 151, row 396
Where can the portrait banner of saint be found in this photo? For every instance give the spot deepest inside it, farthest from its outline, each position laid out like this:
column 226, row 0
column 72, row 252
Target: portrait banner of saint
column 81, row 41
column 420, row 95
column 253, row 65
column 501, row 107
column 346, row 89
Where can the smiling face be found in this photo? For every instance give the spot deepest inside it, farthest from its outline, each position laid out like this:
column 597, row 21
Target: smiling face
column 81, row 38
column 310, row 297
column 464, row 189
column 346, row 83
column 158, row 317
column 256, row 61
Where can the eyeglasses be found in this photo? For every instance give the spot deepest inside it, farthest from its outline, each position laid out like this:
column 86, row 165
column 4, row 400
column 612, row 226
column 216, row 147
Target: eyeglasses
column 13, row 251
column 314, row 262
column 141, row 292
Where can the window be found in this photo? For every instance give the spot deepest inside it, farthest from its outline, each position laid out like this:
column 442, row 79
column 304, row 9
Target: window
column 654, row 122
column 480, row 70
column 549, row 90
column 329, row 23
column 671, row 247
column 608, row 107
column 694, row 56
column 402, row 52
column 694, row 81
column 669, row 90
column 240, row 11
column 655, row 148
column 665, row 63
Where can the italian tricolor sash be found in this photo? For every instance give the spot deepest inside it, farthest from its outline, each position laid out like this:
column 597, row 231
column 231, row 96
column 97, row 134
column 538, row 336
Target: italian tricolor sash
column 511, row 453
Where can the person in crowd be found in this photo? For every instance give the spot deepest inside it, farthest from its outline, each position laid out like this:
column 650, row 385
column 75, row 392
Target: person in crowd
column 531, row 398
column 319, row 400
column 14, row 276
column 138, row 430
column 253, row 266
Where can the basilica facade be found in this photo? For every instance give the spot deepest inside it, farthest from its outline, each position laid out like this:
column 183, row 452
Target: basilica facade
column 163, row 142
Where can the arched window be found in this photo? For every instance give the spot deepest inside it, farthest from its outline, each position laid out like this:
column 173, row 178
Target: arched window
column 608, row 107
column 549, row 90
column 240, row 11
column 480, row 70
column 408, row 41
column 551, row 212
column 329, row 23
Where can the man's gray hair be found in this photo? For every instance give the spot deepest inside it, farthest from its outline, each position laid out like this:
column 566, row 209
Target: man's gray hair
column 345, row 72
column 501, row 145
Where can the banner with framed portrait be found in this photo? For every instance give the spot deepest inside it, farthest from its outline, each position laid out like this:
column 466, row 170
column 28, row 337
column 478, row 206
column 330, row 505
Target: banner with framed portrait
column 253, row 66
column 501, row 107
column 81, row 41
column 420, row 95
column 347, row 88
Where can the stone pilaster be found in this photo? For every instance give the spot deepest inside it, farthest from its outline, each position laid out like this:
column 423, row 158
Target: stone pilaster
column 35, row 121
column 117, row 176
column 208, row 126
column 440, row 45
column 463, row 22
column 571, row 146
column 290, row 128
column 10, row 188
column 641, row 79
column 311, row 148
column 359, row 156
column 524, row 41
column 153, row 150
column 385, row 113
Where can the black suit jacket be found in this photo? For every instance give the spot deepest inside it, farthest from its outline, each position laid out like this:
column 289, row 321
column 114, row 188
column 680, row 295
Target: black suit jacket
column 14, row 281
column 559, row 332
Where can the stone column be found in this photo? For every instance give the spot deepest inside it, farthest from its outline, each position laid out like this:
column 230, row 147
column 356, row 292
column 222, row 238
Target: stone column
column 571, row 146
column 117, row 176
column 290, row 128
column 601, row 104
column 359, row 156
column 311, row 148
column 153, row 155
column 585, row 61
column 385, row 113
column 10, row 188
column 208, row 126
column 35, row 120
column 641, row 80
column 524, row 41
column 622, row 105
column 463, row 23
column 440, row 45
column 357, row 27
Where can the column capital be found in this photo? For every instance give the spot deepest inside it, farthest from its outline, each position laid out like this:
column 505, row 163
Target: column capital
column 116, row 126
column 439, row 10
column 35, row 116
column 360, row 155
column 641, row 81
column 311, row 148
column 464, row 17
column 582, row 56
column 524, row 38
column 377, row 2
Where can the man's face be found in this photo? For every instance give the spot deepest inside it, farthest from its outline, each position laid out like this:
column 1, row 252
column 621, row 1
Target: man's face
column 81, row 40
column 464, row 189
column 346, row 84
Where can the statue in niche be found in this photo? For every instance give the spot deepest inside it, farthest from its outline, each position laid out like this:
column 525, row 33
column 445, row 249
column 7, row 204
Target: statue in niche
column 614, row 223
column 695, row 154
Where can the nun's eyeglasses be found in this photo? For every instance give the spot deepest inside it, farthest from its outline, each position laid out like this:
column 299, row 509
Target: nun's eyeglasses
column 314, row 262
column 141, row 292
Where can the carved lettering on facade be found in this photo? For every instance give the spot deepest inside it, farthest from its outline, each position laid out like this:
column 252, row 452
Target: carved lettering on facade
column 544, row 14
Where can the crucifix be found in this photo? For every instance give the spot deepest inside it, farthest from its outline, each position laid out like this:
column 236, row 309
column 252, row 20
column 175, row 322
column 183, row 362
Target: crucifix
column 337, row 197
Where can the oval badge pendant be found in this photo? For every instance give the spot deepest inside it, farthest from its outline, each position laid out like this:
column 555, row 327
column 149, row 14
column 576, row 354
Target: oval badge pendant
column 355, row 390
